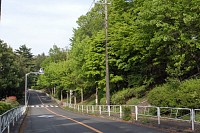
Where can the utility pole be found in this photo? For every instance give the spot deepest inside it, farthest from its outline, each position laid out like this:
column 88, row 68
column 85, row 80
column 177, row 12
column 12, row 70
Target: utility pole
column 106, row 51
column 106, row 44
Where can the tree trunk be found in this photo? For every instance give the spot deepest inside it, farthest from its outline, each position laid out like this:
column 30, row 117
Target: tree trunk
column 97, row 95
column 82, row 95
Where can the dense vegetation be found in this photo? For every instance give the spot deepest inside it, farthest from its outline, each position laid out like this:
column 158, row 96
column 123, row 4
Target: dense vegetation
column 4, row 107
column 151, row 43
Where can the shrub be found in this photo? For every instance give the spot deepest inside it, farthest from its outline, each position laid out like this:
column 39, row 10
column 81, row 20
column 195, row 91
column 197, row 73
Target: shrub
column 127, row 113
column 189, row 94
column 4, row 107
column 140, row 91
column 121, row 97
column 133, row 101
column 103, row 101
column 12, row 100
column 162, row 96
column 173, row 94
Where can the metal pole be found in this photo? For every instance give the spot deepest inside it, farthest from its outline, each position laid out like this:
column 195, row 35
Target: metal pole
column 120, row 111
column 136, row 113
column 158, row 115
column 100, row 109
column 26, row 84
column 108, row 110
column 192, row 118
column 25, row 99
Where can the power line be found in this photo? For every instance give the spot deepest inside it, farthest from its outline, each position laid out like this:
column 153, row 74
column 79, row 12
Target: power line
column 93, row 2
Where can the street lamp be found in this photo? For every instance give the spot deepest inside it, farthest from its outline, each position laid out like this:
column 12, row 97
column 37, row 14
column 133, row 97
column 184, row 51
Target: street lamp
column 41, row 71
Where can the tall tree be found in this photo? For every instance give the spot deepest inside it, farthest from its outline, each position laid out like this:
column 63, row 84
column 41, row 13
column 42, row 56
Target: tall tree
column 25, row 59
column 9, row 71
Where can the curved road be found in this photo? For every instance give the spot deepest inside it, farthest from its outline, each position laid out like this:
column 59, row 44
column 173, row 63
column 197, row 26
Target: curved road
column 44, row 116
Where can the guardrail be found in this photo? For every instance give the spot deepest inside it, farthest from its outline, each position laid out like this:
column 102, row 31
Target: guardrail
column 177, row 114
column 10, row 117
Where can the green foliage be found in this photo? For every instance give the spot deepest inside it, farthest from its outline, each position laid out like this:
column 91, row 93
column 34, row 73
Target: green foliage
column 139, row 92
column 103, row 101
column 133, row 101
column 150, row 42
column 185, row 95
column 10, row 78
column 127, row 113
column 122, row 96
column 4, row 107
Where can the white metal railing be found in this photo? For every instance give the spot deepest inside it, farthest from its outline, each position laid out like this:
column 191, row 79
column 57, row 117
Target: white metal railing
column 10, row 117
column 178, row 114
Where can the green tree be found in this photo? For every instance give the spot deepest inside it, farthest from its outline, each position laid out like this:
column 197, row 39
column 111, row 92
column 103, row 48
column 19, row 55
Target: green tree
column 9, row 71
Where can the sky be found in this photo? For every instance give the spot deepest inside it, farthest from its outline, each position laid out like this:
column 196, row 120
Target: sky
column 40, row 24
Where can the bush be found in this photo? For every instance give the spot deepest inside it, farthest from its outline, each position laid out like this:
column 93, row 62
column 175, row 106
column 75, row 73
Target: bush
column 174, row 94
column 12, row 100
column 4, row 107
column 127, row 113
column 133, row 101
column 189, row 94
column 103, row 101
column 121, row 97
column 140, row 91
column 162, row 96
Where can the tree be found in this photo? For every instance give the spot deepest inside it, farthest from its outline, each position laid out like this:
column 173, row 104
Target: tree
column 25, row 59
column 9, row 71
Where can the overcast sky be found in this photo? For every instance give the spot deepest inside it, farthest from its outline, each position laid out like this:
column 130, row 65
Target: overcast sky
column 40, row 23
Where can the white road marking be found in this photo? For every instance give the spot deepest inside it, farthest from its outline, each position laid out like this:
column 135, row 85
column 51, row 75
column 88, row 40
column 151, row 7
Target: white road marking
column 43, row 106
column 46, row 116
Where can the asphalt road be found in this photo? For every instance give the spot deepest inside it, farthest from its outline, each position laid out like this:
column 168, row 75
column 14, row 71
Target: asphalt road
column 44, row 116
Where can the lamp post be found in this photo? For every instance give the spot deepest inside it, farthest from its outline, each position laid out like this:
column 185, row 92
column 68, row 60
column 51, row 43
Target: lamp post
column 41, row 71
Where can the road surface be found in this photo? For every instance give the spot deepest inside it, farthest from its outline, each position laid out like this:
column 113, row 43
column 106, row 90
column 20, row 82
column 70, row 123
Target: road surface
column 45, row 116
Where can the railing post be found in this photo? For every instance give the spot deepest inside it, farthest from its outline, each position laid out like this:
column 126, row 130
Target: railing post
column 136, row 113
column 100, row 109
column 78, row 108
column 192, row 118
column 158, row 115
column 92, row 109
column 82, row 108
column 87, row 108
column 8, row 127
column 108, row 110
column 120, row 111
